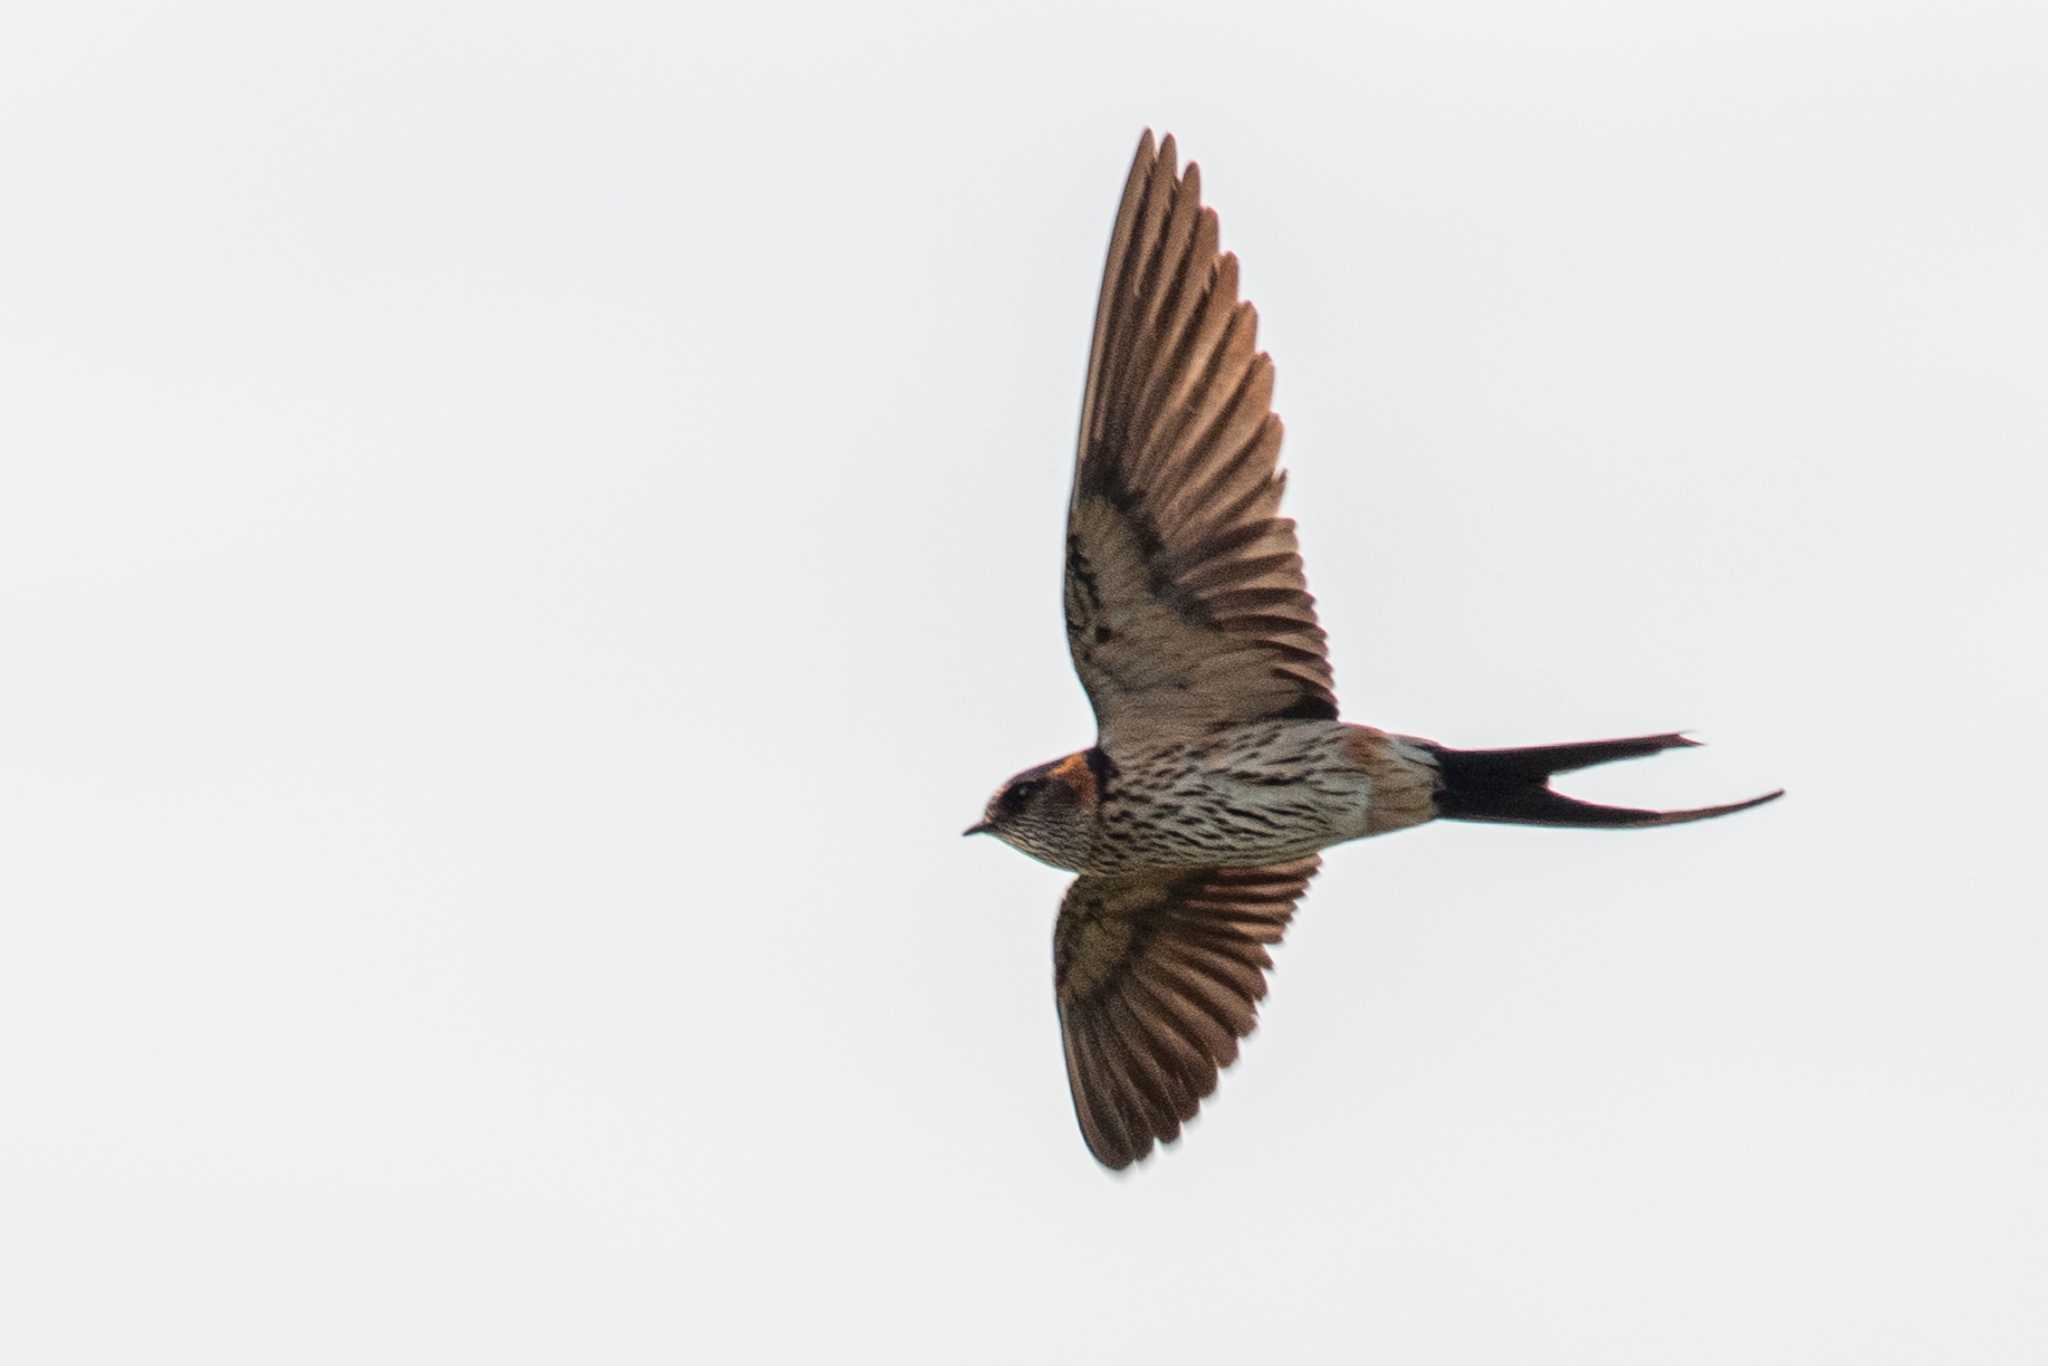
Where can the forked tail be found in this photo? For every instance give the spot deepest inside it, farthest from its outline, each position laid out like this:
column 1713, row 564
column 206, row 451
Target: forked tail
column 1514, row 785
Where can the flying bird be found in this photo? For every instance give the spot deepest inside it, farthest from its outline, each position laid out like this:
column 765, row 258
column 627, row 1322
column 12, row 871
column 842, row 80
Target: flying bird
column 1220, row 768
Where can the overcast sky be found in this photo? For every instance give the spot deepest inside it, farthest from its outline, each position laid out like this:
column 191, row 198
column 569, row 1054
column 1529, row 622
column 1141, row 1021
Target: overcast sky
column 527, row 530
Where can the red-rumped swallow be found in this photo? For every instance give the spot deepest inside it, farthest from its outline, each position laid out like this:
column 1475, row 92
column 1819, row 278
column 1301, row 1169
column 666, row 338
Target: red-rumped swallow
column 1220, row 768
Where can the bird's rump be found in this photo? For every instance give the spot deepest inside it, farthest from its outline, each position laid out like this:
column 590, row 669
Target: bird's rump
column 1185, row 601
column 1157, row 977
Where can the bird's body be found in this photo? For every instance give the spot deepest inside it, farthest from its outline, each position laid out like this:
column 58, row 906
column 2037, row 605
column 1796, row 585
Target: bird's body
column 1221, row 768
column 1259, row 793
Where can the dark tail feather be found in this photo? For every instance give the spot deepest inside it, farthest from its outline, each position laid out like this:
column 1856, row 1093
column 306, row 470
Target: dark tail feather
column 1513, row 785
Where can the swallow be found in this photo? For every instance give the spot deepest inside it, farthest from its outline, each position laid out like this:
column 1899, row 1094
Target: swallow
column 1220, row 769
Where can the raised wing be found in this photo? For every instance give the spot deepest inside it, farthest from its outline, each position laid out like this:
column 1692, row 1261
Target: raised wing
column 1157, row 978
column 1186, row 606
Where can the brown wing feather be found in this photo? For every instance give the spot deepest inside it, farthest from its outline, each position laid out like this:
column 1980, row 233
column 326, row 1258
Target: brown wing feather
column 1186, row 606
column 1157, row 978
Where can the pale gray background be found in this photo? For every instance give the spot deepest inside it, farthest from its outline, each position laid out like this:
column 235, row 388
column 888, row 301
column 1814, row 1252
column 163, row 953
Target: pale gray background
column 527, row 530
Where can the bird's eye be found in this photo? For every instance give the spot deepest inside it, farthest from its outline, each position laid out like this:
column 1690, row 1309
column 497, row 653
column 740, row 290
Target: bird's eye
column 1020, row 793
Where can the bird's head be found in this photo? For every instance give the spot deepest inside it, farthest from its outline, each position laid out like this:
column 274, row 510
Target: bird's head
column 1047, row 812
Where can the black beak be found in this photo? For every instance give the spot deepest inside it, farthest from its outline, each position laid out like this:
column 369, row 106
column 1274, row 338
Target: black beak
column 979, row 828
